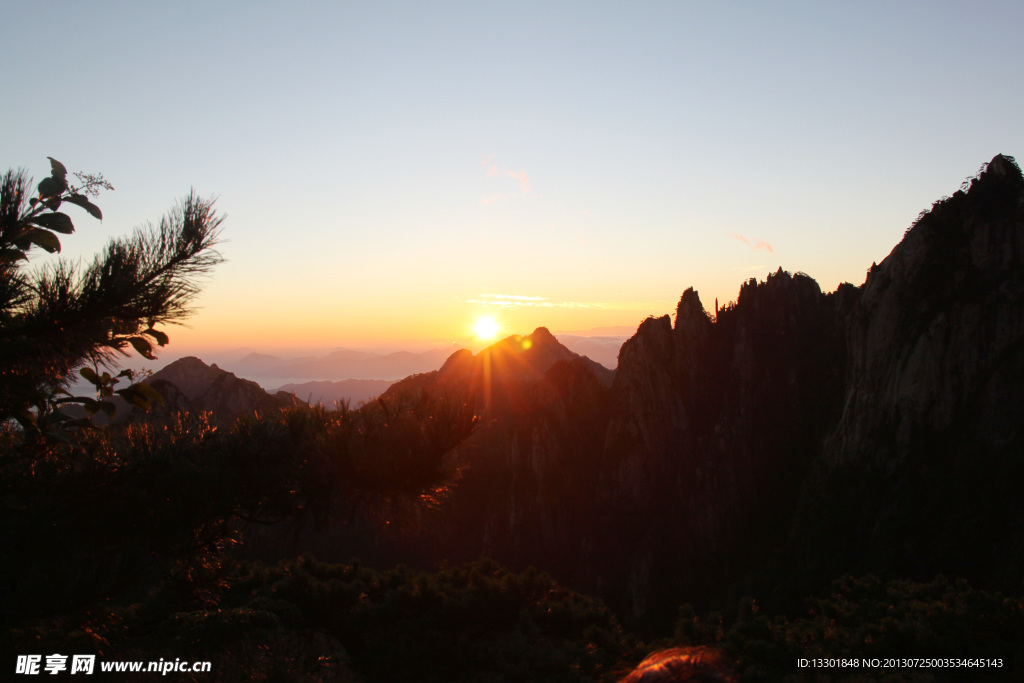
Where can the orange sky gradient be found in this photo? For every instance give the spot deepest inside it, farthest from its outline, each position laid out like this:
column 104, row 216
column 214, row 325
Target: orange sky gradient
column 392, row 171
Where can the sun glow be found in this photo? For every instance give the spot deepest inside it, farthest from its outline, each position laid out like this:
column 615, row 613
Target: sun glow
column 485, row 328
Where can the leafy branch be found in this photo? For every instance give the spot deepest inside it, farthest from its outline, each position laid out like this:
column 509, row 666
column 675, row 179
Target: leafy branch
column 63, row 316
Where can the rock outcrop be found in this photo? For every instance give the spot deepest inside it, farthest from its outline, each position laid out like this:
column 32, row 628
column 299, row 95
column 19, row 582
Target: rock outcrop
column 190, row 384
column 801, row 435
column 922, row 473
column 714, row 424
column 938, row 332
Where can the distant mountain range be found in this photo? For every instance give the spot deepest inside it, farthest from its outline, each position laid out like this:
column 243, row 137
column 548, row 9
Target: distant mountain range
column 189, row 383
column 602, row 348
column 339, row 365
column 354, row 391
column 358, row 376
column 287, row 374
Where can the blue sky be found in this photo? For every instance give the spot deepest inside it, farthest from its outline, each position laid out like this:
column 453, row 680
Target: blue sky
column 392, row 171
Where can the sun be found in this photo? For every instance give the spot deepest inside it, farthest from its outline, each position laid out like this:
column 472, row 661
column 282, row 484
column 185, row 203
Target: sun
column 485, row 328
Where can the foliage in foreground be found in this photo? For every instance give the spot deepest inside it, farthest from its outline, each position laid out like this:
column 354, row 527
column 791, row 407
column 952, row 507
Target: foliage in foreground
column 60, row 316
column 867, row 618
column 306, row 620
column 98, row 514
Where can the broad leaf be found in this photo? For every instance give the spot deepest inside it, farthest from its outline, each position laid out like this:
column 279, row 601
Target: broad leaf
column 51, row 187
column 57, row 169
column 141, row 396
column 80, row 200
column 151, row 394
column 26, row 418
column 43, row 238
column 58, row 222
column 92, row 407
column 160, row 337
column 90, row 375
column 12, row 255
column 144, row 348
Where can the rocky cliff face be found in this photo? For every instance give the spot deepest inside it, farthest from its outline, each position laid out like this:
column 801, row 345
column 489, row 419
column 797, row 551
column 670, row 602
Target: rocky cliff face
column 923, row 470
column 870, row 429
column 714, row 424
column 937, row 334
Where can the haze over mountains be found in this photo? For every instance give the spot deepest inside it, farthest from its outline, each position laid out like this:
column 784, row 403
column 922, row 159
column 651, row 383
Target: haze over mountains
column 359, row 375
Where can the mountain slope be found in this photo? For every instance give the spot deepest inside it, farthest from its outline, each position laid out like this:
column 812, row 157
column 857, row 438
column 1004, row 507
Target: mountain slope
column 930, row 440
column 871, row 429
column 190, row 384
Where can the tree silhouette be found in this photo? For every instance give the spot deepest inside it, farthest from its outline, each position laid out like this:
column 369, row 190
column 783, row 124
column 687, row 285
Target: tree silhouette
column 61, row 316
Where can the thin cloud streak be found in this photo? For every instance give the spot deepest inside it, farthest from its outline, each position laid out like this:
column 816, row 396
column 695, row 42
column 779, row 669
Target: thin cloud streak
column 493, row 171
column 514, row 297
column 524, row 182
column 522, row 301
column 757, row 244
column 493, row 199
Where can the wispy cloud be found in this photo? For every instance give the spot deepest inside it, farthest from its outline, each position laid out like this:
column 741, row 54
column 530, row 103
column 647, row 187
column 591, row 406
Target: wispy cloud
column 756, row 244
column 493, row 171
column 523, row 301
column 513, row 297
column 493, row 198
column 524, row 182
column 507, row 301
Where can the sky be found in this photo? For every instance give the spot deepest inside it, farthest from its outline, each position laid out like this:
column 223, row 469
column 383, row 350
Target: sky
column 391, row 172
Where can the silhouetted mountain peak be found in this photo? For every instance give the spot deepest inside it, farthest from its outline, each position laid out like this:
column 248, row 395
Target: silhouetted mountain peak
column 532, row 355
column 1002, row 165
column 459, row 363
column 504, row 374
column 690, row 310
column 190, row 375
column 208, row 388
